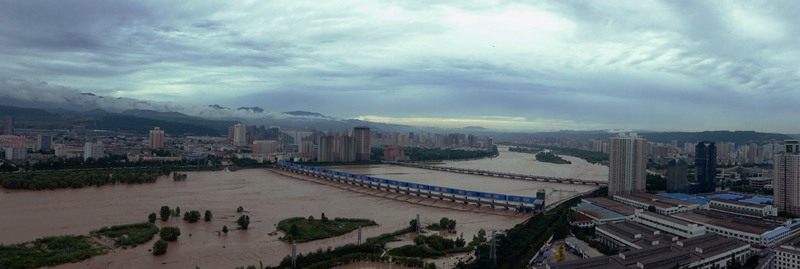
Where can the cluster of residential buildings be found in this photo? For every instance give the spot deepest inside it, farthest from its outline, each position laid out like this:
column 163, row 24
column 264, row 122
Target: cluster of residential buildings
column 242, row 141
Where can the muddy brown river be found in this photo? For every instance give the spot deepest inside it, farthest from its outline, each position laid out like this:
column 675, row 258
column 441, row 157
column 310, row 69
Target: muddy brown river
column 267, row 197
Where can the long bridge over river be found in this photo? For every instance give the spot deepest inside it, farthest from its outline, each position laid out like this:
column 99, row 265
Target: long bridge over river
column 479, row 198
column 501, row 174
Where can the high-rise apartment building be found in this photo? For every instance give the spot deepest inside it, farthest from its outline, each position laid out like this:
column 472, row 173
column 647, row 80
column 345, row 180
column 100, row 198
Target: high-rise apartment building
column 240, row 135
column 347, row 148
column 265, row 146
column 157, row 138
column 489, row 144
column 93, row 150
column 44, row 142
column 705, row 164
column 677, row 173
column 786, row 182
column 326, row 153
column 8, row 125
column 362, row 142
column 627, row 164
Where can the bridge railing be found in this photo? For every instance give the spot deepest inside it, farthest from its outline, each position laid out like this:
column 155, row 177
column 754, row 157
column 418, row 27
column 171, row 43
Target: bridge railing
column 492, row 173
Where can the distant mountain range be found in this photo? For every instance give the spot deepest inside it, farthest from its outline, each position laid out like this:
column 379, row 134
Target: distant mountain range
column 59, row 107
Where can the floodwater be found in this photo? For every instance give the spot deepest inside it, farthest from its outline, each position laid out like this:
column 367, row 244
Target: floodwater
column 269, row 196
column 521, row 163
column 526, row 163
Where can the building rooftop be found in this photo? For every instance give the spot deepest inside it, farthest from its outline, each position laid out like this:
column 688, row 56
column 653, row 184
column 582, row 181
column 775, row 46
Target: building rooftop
column 597, row 212
column 686, row 197
column 610, row 204
column 709, row 245
column 635, row 233
column 666, row 218
column 719, row 219
column 596, row 262
column 727, row 196
column 654, row 200
column 741, row 203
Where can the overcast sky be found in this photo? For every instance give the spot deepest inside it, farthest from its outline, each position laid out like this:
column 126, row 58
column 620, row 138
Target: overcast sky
column 671, row 65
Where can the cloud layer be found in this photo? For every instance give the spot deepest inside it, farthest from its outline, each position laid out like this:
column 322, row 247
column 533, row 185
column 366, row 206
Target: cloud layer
column 661, row 65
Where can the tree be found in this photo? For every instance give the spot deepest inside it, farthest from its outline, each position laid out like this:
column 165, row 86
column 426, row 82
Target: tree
column 243, row 222
column 444, row 222
column 207, row 216
column 152, row 217
column 177, row 211
column 460, row 243
column 169, row 233
column 323, row 218
column 413, row 224
column 419, row 240
column 192, row 216
column 240, row 209
column 160, row 247
column 225, row 229
column 165, row 212
column 651, row 208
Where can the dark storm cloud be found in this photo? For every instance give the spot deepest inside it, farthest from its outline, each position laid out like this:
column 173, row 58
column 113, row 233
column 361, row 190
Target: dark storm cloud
column 566, row 64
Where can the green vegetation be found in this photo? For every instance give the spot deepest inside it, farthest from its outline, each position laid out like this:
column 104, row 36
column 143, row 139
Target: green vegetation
column 243, row 221
column 521, row 242
column 48, row 251
column 589, row 156
column 431, row 247
column 191, row 216
column 160, row 247
column 524, row 150
column 165, row 213
column 743, row 185
column 152, row 217
column 207, row 216
column 428, row 154
column 444, row 224
column 415, row 251
column 76, row 179
column 170, row 233
column 129, row 234
column 655, row 183
column 240, row 209
column 301, row 230
column 225, row 229
column 550, row 157
column 179, row 177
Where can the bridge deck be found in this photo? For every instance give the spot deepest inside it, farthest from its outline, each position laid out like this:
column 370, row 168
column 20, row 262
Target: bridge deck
column 501, row 174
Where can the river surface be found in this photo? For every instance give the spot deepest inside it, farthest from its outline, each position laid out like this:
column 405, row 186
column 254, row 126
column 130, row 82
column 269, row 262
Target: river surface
column 267, row 197
column 526, row 163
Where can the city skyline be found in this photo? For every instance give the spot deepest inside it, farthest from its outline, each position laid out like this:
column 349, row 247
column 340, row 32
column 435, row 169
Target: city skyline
column 653, row 65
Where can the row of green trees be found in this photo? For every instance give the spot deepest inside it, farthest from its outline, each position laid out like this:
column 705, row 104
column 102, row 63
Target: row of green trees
column 77, row 179
column 435, row 154
column 550, row 157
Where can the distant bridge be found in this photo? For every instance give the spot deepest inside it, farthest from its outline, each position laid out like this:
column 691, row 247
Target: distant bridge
column 501, row 174
column 493, row 200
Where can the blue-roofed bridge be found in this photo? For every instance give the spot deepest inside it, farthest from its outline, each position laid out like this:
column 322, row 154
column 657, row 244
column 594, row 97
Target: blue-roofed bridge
column 502, row 174
column 480, row 198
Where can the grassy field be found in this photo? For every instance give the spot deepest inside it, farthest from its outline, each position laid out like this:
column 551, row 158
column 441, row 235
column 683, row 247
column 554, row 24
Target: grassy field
column 129, row 234
column 48, row 251
column 310, row 230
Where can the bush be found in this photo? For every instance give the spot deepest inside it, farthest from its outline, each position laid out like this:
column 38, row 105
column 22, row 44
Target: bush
column 243, row 221
column 152, row 217
column 207, row 216
column 169, row 233
column 192, row 216
column 225, row 229
column 160, row 247
column 165, row 212
column 240, row 209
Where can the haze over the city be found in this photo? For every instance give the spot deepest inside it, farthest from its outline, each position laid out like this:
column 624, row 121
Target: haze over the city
column 656, row 65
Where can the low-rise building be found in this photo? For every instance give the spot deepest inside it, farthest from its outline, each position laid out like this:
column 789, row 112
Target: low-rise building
column 760, row 232
column 669, row 224
column 787, row 256
column 629, row 235
column 742, row 208
column 662, row 205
